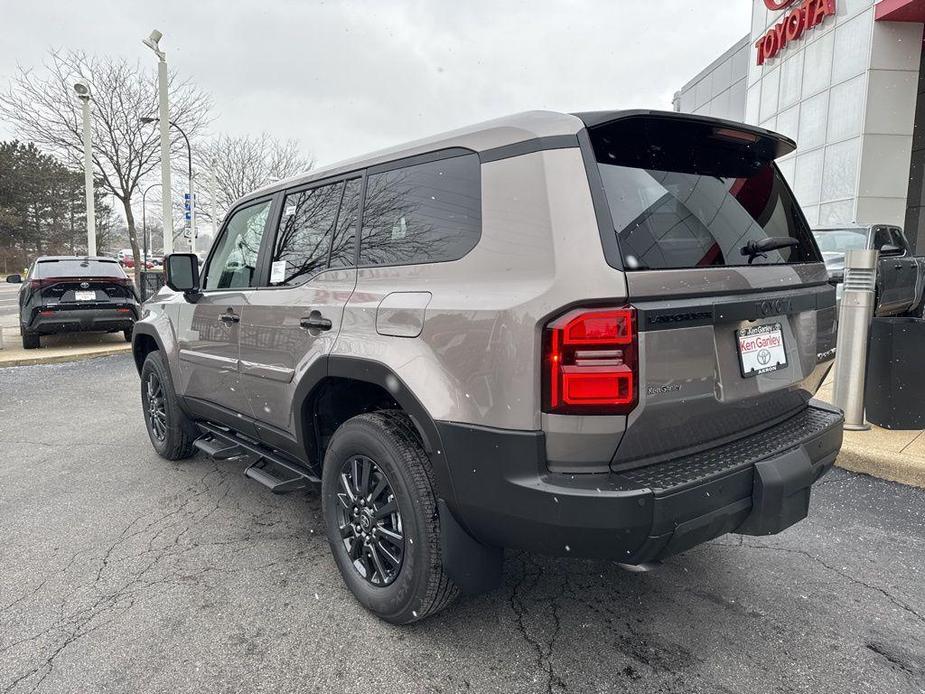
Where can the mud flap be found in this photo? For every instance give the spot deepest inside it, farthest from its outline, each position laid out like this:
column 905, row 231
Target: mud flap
column 474, row 567
column 780, row 495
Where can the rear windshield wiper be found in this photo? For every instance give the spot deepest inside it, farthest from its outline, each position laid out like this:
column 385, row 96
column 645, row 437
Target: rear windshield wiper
column 758, row 249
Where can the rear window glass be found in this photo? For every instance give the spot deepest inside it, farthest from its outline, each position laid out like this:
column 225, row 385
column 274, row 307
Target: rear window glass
column 78, row 267
column 426, row 213
column 681, row 197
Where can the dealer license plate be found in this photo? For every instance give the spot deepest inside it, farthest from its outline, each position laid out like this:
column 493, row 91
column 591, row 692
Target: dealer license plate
column 85, row 296
column 761, row 349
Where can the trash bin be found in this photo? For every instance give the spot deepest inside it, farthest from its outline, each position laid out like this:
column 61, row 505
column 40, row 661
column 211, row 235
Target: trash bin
column 894, row 395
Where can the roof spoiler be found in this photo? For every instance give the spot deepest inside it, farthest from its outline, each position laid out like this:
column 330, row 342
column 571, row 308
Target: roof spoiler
column 765, row 144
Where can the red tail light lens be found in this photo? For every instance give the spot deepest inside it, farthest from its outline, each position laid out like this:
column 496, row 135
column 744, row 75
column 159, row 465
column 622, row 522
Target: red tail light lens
column 590, row 362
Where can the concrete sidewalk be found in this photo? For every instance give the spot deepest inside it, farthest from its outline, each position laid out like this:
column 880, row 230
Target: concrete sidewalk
column 59, row 348
column 893, row 455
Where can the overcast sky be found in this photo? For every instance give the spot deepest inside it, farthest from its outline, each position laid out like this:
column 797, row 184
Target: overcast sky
column 344, row 78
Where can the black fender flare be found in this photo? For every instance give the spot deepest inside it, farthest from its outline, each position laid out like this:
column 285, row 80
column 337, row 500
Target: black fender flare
column 376, row 373
column 147, row 330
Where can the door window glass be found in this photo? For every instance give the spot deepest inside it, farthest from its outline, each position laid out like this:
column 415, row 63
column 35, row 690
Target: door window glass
column 343, row 248
column 234, row 261
column 426, row 213
column 304, row 237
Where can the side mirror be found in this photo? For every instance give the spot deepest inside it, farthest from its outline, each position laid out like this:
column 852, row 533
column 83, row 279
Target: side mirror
column 14, row 279
column 890, row 249
column 181, row 272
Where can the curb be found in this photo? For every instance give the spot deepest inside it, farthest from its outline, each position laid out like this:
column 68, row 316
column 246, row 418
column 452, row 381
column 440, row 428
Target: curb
column 62, row 358
column 886, row 465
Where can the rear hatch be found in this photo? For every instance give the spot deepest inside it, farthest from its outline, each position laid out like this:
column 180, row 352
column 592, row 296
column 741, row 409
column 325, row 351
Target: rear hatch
column 734, row 313
column 77, row 283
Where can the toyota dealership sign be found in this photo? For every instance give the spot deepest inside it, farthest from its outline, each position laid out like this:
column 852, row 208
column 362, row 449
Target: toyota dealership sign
column 801, row 17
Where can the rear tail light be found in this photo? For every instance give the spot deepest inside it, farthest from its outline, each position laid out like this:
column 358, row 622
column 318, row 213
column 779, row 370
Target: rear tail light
column 590, row 362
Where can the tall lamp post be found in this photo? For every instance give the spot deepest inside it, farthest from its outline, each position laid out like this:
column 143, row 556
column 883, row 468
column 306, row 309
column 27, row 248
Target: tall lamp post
column 152, row 43
column 189, row 154
column 83, row 93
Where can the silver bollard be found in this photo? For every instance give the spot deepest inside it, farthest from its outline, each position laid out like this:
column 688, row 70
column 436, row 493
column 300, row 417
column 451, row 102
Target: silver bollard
column 854, row 314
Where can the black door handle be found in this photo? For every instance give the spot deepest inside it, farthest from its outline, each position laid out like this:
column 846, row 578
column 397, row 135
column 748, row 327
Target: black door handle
column 316, row 322
column 230, row 318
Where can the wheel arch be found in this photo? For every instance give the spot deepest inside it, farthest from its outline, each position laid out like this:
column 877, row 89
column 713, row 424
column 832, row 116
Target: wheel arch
column 376, row 384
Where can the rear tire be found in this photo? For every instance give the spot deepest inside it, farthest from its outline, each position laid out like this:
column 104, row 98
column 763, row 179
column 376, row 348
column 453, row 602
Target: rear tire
column 31, row 340
column 128, row 334
column 171, row 432
column 389, row 447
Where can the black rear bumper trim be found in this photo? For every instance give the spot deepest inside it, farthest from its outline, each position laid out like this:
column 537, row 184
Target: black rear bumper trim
column 505, row 496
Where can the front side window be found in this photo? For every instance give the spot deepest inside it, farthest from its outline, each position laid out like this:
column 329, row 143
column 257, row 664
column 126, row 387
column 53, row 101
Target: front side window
column 841, row 240
column 234, row 261
column 689, row 196
column 304, row 237
column 425, row 213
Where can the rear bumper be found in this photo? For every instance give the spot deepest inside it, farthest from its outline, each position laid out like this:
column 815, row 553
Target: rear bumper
column 61, row 320
column 505, row 496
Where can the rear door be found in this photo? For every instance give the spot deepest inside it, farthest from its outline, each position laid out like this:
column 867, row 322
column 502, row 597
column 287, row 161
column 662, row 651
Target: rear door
column 207, row 330
column 731, row 341
column 295, row 316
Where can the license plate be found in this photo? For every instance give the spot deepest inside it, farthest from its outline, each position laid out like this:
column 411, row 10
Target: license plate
column 85, row 296
column 761, row 349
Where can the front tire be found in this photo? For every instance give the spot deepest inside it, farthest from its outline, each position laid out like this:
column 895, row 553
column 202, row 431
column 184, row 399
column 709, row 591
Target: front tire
column 170, row 430
column 381, row 520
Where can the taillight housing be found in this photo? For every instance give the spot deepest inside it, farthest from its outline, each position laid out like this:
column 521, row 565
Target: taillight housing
column 590, row 362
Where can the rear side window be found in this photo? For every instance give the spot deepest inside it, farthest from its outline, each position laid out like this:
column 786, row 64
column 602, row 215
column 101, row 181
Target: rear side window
column 426, row 213
column 77, row 267
column 685, row 195
column 303, row 241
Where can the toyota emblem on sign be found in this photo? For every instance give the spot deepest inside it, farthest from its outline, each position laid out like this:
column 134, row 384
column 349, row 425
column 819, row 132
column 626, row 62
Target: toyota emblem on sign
column 764, row 356
column 778, row 5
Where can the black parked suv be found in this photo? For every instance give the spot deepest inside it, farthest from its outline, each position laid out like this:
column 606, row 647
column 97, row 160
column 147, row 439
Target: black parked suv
column 69, row 293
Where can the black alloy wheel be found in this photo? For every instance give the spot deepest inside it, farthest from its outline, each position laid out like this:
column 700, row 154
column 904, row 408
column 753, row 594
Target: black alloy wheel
column 369, row 521
column 156, row 408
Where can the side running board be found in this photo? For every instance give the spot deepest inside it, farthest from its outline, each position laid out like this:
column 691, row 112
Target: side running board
column 271, row 469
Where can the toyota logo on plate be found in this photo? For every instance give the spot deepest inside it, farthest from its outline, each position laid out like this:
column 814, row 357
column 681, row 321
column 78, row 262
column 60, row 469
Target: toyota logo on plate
column 764, row 356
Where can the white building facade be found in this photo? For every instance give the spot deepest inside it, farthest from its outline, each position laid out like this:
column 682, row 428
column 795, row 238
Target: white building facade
column 842, row 78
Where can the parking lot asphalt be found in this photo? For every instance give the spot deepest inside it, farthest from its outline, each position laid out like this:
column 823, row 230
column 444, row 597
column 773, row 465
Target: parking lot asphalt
column 122, row 572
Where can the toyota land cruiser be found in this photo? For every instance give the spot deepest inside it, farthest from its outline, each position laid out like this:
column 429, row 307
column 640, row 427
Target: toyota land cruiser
column 591, row 335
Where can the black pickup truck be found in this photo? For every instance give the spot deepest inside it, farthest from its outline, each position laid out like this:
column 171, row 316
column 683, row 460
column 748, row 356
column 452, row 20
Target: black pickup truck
column 900, row 275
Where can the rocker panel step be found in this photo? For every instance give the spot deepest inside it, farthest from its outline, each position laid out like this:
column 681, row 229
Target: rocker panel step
column 218, row 449
column 297, row 475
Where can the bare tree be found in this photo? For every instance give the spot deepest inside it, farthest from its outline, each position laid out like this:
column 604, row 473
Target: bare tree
column 44, row 109
column 243, row 164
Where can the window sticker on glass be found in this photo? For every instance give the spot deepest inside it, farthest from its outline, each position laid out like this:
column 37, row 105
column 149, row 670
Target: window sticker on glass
column 290, row 210
column 278, row 272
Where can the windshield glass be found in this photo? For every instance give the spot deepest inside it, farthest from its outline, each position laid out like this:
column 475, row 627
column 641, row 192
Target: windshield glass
column 841, row 240
column 683, row 196
column 78, row 267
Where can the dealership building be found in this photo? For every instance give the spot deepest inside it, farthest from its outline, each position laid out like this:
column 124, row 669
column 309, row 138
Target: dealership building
column 844, row 78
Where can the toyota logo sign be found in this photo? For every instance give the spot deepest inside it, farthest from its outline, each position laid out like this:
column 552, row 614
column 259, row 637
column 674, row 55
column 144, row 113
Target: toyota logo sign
column 778, row 5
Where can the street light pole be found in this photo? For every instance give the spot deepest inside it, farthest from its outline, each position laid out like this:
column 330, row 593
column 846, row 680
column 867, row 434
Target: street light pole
column 83, row 93
column 152, row 43
column 189, row 170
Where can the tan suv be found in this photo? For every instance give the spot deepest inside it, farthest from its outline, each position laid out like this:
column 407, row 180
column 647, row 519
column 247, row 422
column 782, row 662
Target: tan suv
column 593, row 335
